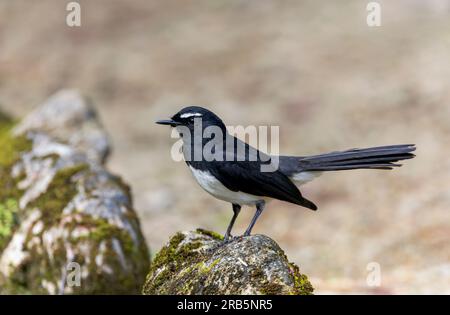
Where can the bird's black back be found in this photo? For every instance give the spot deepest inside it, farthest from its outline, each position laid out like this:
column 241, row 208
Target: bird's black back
column 246, row 176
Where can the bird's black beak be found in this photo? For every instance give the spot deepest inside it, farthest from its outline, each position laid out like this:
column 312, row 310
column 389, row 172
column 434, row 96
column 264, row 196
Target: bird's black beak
column 169, row 122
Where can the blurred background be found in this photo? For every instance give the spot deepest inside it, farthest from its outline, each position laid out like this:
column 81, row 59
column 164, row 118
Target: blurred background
column 315, row 69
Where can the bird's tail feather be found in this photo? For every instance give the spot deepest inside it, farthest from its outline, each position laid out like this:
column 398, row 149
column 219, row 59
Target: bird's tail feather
column 371, row 158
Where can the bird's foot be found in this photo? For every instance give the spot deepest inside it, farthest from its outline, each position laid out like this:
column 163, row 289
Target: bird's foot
column 228, row 240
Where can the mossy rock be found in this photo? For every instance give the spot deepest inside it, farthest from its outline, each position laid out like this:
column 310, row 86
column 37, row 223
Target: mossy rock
column 60, row 209
column 197, row 263
column 10, row 150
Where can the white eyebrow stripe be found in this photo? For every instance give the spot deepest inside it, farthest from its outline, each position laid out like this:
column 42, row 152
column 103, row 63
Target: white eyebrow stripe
column 187, row 115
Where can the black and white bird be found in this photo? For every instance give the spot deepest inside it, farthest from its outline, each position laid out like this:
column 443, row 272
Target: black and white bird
column 237, row 177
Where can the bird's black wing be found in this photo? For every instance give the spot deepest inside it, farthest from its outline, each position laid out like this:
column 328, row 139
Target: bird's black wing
column 246, row 176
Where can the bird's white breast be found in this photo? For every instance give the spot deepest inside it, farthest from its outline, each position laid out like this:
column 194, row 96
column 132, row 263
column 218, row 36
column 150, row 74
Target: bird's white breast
column 213, row 186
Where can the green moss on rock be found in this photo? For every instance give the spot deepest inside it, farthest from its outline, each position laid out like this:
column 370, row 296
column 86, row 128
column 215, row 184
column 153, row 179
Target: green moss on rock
column 59, row 193
column 8, row 220
column 127, row 260
column 198, row 263
column 125, row 279
column 11, row 147
column 10, row 150
column 302, row 286
column 172, row 259
column 213, row 234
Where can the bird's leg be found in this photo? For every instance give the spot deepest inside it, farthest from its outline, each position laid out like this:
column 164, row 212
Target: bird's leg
column 259, row 209
column 236, row 210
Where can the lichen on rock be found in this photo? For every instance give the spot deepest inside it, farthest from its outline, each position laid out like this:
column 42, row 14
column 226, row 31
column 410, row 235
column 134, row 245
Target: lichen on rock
column 60, row 206
column 196, row 263
column 10, row 149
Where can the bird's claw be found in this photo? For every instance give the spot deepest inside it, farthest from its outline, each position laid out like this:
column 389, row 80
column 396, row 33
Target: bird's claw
column 228, row 240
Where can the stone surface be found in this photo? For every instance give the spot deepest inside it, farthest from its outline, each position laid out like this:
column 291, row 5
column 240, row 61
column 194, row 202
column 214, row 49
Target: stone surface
column 195, row 263
column 62, row 214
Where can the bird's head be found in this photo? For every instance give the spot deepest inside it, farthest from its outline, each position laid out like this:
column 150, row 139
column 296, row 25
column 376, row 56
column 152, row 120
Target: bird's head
column 189, row 116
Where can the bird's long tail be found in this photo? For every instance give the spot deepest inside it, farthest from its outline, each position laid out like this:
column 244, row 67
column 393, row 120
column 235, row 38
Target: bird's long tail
column 384, row 157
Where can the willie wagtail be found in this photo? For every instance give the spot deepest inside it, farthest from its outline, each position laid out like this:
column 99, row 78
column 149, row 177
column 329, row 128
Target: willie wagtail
column 237, row 177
